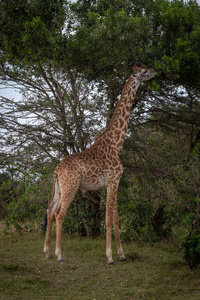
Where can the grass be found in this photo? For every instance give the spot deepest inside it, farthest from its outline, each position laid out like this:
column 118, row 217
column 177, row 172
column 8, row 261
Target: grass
column 150, row 272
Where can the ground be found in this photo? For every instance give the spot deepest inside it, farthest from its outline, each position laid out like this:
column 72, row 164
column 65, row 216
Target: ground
column 150, row 272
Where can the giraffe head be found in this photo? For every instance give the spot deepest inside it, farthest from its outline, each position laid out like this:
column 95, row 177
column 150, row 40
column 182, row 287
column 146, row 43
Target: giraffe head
column 143, row 73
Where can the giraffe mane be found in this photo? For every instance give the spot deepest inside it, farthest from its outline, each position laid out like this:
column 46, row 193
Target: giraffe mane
column 115, row 112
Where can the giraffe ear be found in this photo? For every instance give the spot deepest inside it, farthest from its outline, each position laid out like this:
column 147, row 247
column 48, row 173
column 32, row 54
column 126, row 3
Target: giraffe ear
column 131, row 64
column 134, row 68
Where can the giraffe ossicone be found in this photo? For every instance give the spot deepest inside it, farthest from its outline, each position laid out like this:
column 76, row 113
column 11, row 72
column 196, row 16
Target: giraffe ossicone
column 96, row 168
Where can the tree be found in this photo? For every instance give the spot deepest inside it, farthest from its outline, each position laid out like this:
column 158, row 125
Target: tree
column 165, row 35
column 57, row 114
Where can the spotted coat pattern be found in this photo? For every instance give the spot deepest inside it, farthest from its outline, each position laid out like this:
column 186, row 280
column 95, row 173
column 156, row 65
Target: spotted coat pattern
column 96, row 168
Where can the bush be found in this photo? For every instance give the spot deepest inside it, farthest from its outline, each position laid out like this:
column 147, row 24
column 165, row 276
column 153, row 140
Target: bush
column 27, row 210
column 191, row 250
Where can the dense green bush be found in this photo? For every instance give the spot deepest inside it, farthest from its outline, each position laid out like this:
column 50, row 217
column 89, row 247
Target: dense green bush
column 191, row 250
column 27, row 210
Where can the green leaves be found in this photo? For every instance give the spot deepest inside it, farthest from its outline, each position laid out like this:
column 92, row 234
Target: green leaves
column 30, row 199
column 29, row 29
column 191, row 250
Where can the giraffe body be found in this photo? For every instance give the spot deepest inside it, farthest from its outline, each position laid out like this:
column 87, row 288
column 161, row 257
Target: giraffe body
column 96, row 168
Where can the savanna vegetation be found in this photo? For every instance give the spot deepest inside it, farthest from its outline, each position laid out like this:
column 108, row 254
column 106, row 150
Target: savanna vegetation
column 70, row 61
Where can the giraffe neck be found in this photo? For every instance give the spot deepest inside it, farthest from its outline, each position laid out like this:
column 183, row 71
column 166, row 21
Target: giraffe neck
column 115, row 133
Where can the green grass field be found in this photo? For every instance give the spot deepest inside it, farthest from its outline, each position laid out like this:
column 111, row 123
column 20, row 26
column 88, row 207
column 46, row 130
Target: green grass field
column 150, row 272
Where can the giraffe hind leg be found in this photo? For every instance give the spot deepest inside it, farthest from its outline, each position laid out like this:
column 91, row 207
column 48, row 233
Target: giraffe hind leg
column 67, row 195
column 60, row 214
column 117, row 234
column 50, row 213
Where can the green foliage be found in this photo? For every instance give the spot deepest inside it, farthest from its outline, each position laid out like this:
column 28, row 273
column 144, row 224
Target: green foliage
column 138, row 212
column 5, row 191
column 85, row 215
column 159, row 191
column 191, row 250
column 24, row 211
column 27, row 211
column 112, row 39
column 30, row 30
column 163, row 34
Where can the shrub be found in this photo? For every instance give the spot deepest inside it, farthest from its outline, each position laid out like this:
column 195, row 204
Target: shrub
column 191, row 250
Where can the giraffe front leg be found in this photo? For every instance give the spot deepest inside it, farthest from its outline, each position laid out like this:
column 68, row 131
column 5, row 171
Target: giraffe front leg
column 117, row 234
column 111, row 196
column 108, row 242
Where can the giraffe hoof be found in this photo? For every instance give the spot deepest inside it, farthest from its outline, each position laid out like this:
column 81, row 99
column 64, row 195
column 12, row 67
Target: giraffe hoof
column 122, row 259
column 60, row 260
column 111, row 263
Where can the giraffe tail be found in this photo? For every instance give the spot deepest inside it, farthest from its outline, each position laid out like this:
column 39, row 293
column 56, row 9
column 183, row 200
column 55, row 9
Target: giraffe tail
column 44, row 226
column 55, row 201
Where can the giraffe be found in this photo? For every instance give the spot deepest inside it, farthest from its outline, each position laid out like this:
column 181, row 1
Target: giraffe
column 96, row 168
